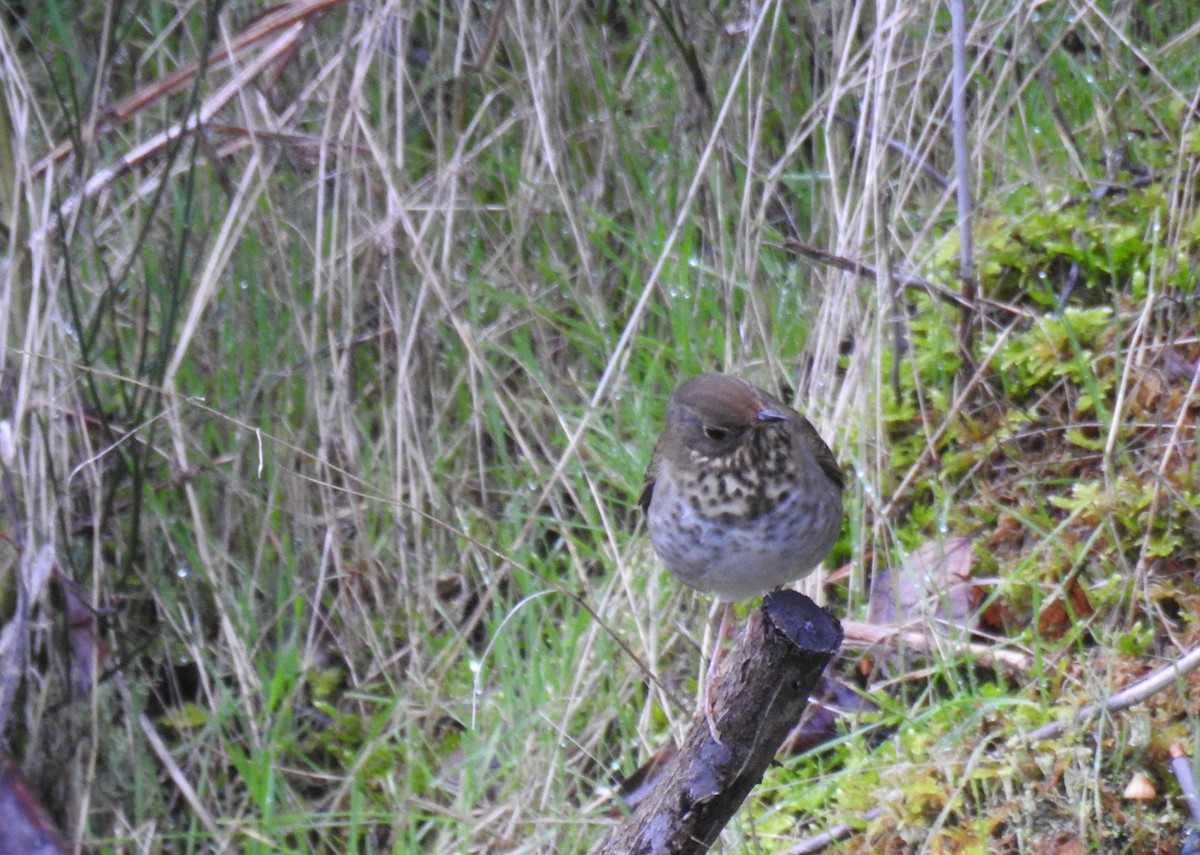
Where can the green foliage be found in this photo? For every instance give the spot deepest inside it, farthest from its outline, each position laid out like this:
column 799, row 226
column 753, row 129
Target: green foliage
column 383, row 507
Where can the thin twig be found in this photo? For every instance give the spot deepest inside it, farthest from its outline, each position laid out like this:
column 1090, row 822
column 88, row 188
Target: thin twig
column 900, row 148
column 178, row 777
column 155, row 144
column 687, row 51
column 128, row 106
column 1124, row 699
column 910, row 281
column 1181, row 768
column 860, row 633
column 836, row 833
column 489, row 40
column 962, row 171
column 870, row 271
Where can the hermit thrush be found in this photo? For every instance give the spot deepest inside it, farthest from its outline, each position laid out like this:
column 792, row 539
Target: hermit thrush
column 741, row 495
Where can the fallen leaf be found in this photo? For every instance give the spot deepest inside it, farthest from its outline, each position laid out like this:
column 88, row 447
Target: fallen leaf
column 931, row 584
column 88, row 652
column 27, row 826
column 830, row 702
column 1060, row 614
column 1066, row 843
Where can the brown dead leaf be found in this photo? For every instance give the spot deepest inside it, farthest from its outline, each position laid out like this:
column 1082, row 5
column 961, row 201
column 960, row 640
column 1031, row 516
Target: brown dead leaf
column 88, row 651
column 26, row 824
column 1061, row 613
column 911, row 609
column 830, row 701
column 1148, row 389
column 933, row 583
column 998, row 617
column 1066, row 843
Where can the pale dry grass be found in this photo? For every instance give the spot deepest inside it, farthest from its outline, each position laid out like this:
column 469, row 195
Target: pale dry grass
column 344, row 402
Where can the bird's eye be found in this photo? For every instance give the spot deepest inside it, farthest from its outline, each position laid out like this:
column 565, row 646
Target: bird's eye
column 716, row 434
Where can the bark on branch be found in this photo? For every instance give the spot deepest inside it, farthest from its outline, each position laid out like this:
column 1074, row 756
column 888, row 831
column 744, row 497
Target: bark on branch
column 759, row 696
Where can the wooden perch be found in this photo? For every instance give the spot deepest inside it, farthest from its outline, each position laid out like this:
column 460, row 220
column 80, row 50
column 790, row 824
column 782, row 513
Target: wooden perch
column 759, row 696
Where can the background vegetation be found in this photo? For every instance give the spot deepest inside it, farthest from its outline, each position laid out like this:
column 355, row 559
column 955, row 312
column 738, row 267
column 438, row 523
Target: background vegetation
column 323, row 422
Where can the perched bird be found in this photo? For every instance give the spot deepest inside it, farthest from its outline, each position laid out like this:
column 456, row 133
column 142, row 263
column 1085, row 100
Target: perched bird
column 741, row 495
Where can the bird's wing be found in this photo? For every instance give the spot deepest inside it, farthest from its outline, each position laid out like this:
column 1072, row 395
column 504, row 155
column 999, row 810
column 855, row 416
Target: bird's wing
column 651, row 476
column 822, row 453
column 829, row 465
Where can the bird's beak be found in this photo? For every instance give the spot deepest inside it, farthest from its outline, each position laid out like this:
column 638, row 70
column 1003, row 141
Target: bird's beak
column 768, row 415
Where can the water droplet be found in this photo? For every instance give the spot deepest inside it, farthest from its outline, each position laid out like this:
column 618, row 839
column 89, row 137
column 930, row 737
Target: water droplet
column 181, row 572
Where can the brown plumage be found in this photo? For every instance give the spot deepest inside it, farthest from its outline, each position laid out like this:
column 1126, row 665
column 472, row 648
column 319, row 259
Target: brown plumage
column 741, row 495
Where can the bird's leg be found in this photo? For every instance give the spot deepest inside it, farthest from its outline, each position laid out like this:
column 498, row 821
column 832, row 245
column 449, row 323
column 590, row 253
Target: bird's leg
column 718, row 653
column 708, row 648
